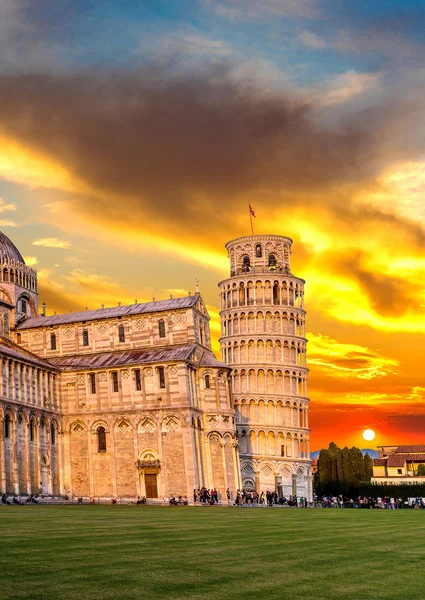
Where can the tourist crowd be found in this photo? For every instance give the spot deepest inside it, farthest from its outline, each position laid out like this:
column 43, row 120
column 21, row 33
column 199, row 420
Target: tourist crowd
column 364, row 502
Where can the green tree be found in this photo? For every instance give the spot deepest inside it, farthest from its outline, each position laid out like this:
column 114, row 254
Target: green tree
column 348, row 470
column 324, row 472
column 368, row 467
column 421, row 470
column 341, row 471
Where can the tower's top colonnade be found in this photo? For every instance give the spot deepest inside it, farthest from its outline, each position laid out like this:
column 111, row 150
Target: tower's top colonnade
column 258, row 254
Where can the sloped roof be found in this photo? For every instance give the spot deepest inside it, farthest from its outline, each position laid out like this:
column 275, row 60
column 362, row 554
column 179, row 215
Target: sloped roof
column 122, row 358
column 411, row 449
column 108, row 313
column 12, row 350
column 379, row 462
column 209, row 360
column 399, row 460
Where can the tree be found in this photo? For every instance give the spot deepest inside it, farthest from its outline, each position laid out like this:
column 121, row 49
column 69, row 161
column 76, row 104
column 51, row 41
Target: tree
column 368, row 467
column 324, row 472
column 342, row 471
column 421, row 470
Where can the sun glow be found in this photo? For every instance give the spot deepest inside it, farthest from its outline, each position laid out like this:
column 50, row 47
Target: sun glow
column 368, row 435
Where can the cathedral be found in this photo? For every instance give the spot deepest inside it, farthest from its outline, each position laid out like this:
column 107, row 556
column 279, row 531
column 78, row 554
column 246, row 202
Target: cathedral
column 131, row 401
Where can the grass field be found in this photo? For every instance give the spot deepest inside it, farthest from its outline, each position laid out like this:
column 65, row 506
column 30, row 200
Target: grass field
column 129, row 552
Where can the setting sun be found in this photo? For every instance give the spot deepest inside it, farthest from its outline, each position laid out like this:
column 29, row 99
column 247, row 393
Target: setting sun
column 368, row 435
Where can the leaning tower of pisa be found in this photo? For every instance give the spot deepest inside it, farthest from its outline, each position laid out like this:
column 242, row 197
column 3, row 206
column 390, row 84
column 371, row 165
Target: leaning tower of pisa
column 263, row 340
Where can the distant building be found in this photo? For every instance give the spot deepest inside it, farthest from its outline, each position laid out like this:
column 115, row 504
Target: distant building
column 398, row 464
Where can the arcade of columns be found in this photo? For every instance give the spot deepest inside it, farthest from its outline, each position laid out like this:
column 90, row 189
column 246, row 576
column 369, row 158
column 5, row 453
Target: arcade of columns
column 30, row 448
column 263, row 329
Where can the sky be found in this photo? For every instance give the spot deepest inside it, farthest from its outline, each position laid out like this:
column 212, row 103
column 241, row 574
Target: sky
column 133, row 136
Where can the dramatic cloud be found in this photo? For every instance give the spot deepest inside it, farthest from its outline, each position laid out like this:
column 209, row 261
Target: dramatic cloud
column 347, row 360
column 52, row 242
column 30, row 261
column 312, row 114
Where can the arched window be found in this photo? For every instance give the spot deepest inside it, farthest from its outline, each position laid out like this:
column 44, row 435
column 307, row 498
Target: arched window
column 53, row 341
column 32, row 430
column 207, row 382
column 121, row 333
column 5, row 275
column 161, row 328
column 161, row 377
column 18, row 338
column 101, row 439
column 92, row 380
column 258, row 251
column 52, row 434
column 85, row 337
column 115, row 384
column 6, row 326
column 272, row 261
column 246, row 264
column 12, row 277
column 23, row 306
column 7, row 426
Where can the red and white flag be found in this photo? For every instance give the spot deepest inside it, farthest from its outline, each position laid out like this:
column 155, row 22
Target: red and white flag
column 251, row 210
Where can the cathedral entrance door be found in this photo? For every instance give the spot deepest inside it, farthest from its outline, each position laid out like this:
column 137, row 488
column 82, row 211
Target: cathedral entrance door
column 151, row 485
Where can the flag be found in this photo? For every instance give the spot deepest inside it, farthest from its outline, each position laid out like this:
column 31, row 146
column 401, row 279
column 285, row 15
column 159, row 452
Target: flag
column 251, row 210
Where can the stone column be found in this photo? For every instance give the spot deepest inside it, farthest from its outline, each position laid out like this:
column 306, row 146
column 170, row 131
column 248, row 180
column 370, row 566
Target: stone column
column 210, row 476
column 257, row 481
column 14, row 457
column 1, row 377
column 91, row 467
column 2, row 457
column 223, row 460
column 113, row 457
column 27, row 455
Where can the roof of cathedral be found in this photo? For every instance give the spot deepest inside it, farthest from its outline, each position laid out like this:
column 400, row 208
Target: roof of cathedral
column 8, row 249
column 14, row 351
column 122, row 358
column 108, row 313
column 209, row 360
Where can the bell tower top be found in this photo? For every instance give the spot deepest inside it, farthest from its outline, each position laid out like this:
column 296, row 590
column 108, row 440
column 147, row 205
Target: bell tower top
column 259, row 254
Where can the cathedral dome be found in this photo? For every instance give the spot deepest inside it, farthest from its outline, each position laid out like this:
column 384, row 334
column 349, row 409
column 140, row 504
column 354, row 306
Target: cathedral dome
column 9, row 250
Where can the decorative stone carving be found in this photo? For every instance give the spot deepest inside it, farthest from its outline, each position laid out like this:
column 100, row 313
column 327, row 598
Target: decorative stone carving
column 122, row 425
column 266, row 470
column 68, row 333
column 140, row 324
column 146, row 426
column 78, row 428
column 170, row 424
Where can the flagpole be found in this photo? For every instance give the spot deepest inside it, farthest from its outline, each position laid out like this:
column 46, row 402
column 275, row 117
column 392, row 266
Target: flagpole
column 250, row 217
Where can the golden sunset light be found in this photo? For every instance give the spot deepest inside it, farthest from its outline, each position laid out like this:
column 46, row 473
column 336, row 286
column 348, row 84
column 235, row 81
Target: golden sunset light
column 123, row 178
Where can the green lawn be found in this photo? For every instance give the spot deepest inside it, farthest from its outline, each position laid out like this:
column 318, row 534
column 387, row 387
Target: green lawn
column 129, row 552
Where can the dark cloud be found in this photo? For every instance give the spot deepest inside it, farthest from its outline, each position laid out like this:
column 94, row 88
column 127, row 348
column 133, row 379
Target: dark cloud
column 174, row 149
